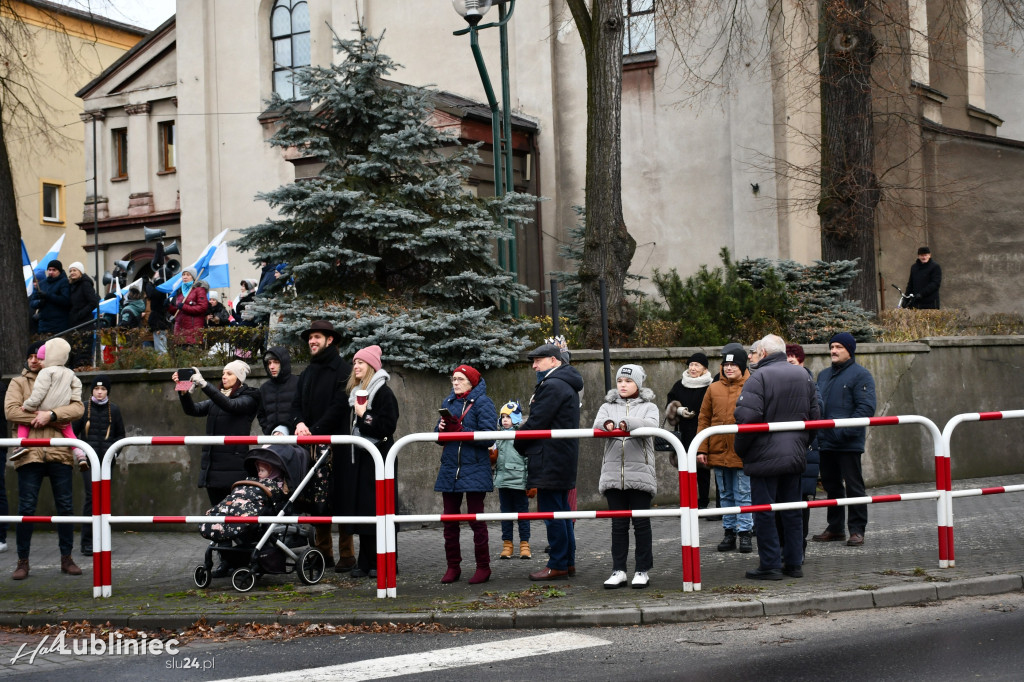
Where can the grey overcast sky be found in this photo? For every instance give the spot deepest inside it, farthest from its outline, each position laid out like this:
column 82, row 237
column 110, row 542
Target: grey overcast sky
column 145, row 13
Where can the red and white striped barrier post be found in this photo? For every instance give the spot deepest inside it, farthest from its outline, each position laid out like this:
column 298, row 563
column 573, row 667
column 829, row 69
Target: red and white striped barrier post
column 94, row 470
column 465, row 436
column 107, row 519
column 691, row 456
column 947, row 438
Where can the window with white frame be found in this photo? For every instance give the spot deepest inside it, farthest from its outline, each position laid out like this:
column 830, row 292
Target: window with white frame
column 289, row 33
column 638, row 37
column 50, row 205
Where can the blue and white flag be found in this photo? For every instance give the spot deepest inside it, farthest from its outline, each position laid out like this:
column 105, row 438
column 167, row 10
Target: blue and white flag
column 52, row 254
column 211, row 265
column 26, row 268
column 112, row 306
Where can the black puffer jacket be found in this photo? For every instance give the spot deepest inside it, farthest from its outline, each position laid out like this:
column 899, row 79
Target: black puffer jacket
column 100, row 426
column 84, row 300
column 277, row 394
column 777, row 392
column 555, row 405
column 222, row 465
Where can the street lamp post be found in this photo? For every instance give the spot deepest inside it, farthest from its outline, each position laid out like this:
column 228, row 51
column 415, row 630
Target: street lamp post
column 473, row 12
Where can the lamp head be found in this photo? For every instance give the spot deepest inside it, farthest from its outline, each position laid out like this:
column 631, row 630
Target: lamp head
column 472, row 10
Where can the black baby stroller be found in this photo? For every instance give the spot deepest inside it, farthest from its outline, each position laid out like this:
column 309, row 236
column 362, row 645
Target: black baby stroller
column 252, row 550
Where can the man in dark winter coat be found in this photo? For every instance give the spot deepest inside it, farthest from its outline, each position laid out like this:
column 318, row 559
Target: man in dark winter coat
column 158, row 323
column 277, row 413
column 51, row 299
column 925, row 280
column 321, row 408
column 552, row 463
column 847, row 390
column 777, row 392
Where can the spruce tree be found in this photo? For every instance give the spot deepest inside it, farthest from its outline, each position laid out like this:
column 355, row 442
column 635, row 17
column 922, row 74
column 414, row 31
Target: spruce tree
column 385, row 241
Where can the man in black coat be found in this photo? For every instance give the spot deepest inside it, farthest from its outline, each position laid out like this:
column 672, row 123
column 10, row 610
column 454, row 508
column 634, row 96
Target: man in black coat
column 84, row 300
column 51, row 299
column 158, row 323
column 277, row 412
column 777, row 392
column 925, row 280
column 552, row 463
column 321, row 408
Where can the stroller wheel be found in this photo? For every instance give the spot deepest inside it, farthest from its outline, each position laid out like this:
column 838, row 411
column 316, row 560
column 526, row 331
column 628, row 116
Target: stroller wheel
column 202, row 576
column 310, row 566
column 243, row 580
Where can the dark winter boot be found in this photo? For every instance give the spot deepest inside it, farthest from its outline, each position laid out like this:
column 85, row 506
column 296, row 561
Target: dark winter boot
column 482, row 553
column 746, row 545
column 453, row 555
column 728, row 543
column 21, row 572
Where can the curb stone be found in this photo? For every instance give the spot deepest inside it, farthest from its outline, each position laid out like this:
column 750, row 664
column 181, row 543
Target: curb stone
column 664, row 615
column 834, row 601
column 483, row 620
column 898, row 595
column 578, row 618
column 973, row 587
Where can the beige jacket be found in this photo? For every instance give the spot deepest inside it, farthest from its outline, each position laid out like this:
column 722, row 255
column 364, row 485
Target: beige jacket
column 55, row 385
column 17, row 393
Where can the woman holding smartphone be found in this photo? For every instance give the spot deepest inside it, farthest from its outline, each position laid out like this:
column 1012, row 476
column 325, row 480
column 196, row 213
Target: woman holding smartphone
column 229, row 411
column 466, row 469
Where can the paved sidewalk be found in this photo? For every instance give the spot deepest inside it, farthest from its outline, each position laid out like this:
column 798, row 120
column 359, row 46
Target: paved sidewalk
column 152, row 576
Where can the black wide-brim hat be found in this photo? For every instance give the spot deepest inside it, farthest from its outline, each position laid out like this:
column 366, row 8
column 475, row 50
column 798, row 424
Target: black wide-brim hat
column 324, row 327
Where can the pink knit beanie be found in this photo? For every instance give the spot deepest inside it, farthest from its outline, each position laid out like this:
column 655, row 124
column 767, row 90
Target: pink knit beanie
column 370, row 355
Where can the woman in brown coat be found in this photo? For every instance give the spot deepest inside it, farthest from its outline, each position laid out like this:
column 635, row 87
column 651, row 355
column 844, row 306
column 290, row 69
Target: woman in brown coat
column 718, row 452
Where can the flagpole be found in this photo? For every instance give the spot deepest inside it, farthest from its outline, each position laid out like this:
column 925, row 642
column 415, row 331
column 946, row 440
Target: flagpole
column 95, row 247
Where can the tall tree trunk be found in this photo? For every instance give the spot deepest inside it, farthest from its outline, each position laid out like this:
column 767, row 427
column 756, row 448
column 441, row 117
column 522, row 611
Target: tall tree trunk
column 849, row 187
column 14, row 319
column 608, row 247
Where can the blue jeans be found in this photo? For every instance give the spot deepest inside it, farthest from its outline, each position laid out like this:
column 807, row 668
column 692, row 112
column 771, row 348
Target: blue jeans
column 561, row 536
column 734, row 491
column 512, row 500
column 30, row 480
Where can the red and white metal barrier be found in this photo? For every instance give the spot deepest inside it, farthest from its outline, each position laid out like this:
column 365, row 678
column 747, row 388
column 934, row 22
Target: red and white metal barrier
column 688, row 479
column 947, row 438
column 465, row 436
column 94, row 469
column 106, row 518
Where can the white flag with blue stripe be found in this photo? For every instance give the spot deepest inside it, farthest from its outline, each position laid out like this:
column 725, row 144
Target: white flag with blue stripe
column 209, row 259
column 38, row 268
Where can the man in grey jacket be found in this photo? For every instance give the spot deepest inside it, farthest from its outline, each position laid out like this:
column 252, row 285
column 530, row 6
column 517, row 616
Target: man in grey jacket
column 778, row 392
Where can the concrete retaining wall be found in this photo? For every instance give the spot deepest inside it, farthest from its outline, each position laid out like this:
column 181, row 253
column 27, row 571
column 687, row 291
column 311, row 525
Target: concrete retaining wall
column 935, row 378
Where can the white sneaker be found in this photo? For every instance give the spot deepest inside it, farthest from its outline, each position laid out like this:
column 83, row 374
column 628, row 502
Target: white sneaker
column 3, row 547
column 640, row 580
column 617, row 580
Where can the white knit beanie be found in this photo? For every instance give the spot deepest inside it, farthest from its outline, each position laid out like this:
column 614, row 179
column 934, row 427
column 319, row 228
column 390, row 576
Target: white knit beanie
column 239, row 369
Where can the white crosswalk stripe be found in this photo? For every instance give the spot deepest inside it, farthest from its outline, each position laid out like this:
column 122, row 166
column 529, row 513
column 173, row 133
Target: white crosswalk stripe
column 439, row 659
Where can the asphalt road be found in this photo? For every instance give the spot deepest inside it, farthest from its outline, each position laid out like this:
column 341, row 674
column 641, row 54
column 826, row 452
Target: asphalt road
column 956, row 639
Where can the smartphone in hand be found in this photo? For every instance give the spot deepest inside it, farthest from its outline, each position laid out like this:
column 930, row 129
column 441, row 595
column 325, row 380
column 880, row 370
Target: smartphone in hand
column 184, row 379
column 444, row 412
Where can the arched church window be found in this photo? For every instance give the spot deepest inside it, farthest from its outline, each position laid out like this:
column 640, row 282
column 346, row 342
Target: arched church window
column 289, row 33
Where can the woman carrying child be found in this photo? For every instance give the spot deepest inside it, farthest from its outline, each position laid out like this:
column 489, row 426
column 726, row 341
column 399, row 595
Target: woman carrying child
column 628, row 479
column 466, row 469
